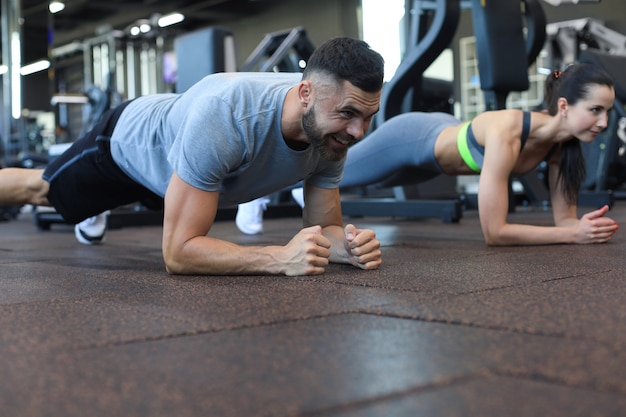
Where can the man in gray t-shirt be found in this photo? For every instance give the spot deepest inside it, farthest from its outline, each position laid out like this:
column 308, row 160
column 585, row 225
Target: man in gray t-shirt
column 228, row 139
column 158, row 135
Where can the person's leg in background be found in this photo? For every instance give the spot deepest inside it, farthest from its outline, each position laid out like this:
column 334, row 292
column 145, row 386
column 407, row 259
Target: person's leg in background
column 249, row 218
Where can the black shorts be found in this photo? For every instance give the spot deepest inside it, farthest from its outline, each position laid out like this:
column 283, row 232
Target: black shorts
column 85, row 181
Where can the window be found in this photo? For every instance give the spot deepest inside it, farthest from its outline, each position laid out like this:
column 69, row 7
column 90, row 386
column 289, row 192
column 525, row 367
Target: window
column 381, row 30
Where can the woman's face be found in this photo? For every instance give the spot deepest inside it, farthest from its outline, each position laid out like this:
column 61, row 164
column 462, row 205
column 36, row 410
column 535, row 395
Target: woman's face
column 589, row 116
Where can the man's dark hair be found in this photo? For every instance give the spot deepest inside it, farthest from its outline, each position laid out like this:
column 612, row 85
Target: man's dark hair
column 348, row 59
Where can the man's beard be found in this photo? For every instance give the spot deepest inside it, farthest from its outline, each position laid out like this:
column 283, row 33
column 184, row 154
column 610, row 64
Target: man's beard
column 318, row 140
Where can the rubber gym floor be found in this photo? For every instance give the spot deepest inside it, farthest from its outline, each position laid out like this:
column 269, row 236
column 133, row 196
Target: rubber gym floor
column 446, row 327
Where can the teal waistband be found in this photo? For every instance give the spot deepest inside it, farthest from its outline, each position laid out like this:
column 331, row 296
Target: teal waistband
column 466, row 155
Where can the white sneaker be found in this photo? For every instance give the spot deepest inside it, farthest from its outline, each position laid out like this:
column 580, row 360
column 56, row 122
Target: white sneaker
column 298, row 195
column 91, row 230
column 249, row 217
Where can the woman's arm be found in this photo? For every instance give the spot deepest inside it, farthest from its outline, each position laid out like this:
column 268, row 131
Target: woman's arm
column 493, row 200
column 593, row 227
column 502, row 150
column 349, row 245
column 501, row 153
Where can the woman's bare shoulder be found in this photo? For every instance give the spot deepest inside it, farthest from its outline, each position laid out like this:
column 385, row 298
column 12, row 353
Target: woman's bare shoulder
column 498, row 123
column 504, row 116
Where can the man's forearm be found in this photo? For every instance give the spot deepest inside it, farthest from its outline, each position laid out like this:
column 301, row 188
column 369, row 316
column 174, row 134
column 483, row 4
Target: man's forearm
column 209, row 256
column 338, row 252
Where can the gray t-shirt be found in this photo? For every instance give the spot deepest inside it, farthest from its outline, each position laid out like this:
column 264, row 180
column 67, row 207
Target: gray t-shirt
column 221, row 134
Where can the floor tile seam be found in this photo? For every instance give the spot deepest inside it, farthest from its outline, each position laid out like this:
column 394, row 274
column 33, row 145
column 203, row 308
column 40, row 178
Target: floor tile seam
column 501, row 329
column 432, row 293
column 462, row 293
column 368, row 311
column 582, row 275
column 373, row 400
column 216, row 330
column 188, row 333
column 521, row 284
column 441, row 294
column 198, row 331
column 535, row 376
column 499, row 288
column 371, row 286
column 485, row 251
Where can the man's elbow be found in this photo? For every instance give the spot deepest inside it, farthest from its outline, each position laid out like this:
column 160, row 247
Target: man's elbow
column 173, row 265
column 491, row 242
column 174, row 268
column 493, row 239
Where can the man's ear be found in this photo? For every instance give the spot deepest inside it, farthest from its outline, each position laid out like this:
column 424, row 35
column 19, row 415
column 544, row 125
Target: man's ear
column 562, row 106
column 304, row 92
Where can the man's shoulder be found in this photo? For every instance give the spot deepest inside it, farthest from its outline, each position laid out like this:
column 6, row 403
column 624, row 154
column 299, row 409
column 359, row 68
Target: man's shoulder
column 261, row 78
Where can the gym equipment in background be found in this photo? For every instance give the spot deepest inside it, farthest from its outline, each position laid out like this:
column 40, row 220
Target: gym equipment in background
column 280, row 51
column 605, row 157
column 203, row 52
column 504, row 54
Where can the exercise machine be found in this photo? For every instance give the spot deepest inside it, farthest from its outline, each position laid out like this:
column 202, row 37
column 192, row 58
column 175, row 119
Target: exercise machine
column 605, row 157
column 281, row 51
column 218, row 54
column 504, row 54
